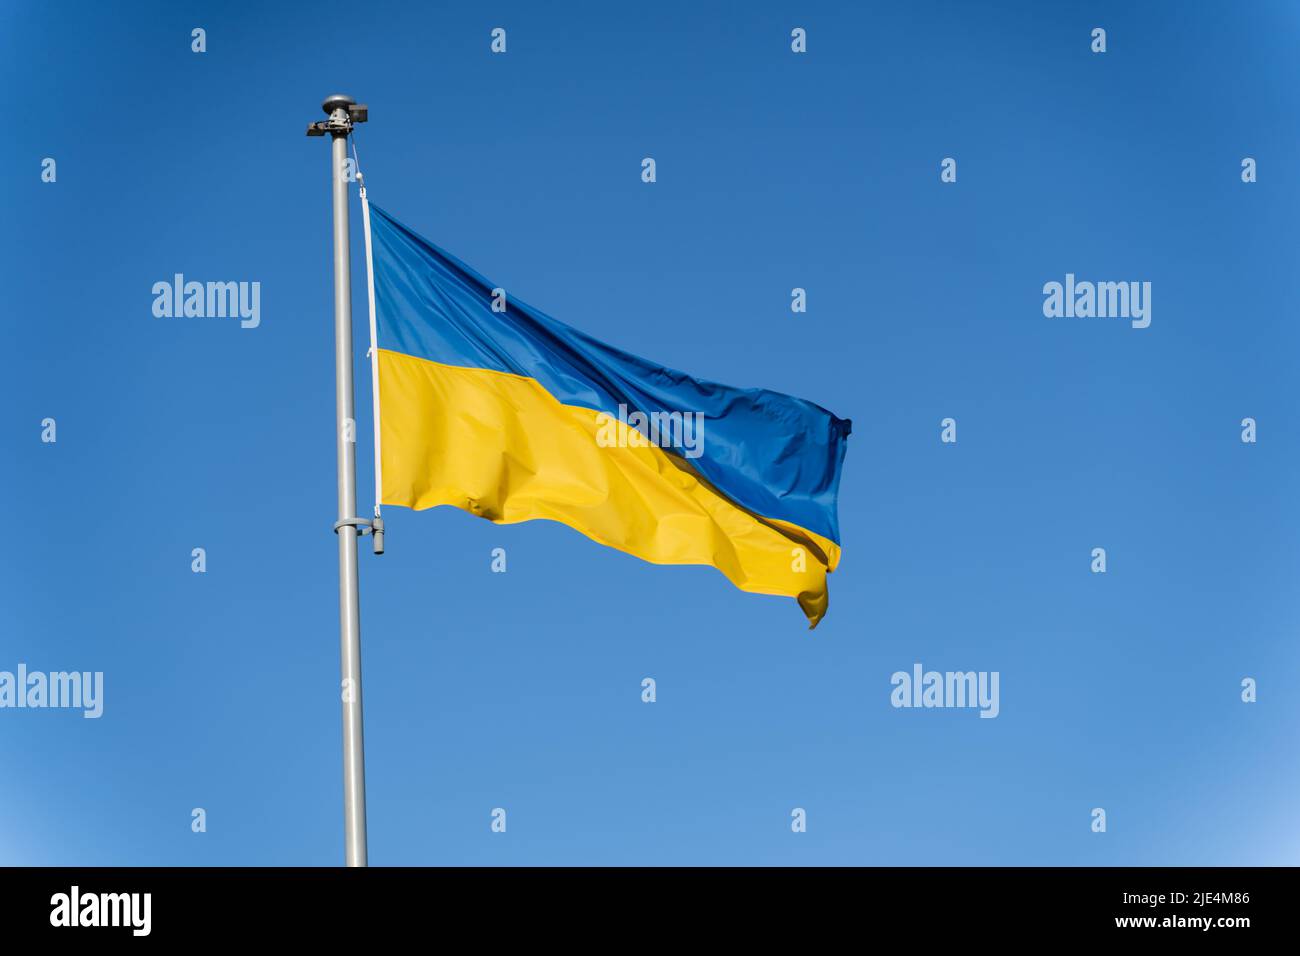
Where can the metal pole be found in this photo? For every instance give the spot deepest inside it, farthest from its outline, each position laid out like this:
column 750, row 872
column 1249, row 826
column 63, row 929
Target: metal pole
column 354, row 759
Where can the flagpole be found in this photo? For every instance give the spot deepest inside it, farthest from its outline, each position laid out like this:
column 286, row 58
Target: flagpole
column 343, row 111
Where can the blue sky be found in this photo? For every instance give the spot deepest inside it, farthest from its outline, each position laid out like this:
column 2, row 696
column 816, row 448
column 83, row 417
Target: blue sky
column 775, row 170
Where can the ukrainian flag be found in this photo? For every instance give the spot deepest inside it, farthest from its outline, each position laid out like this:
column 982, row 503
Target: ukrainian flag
column 492, row 407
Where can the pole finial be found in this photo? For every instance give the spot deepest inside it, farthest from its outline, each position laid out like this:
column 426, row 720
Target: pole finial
column 343, row 112
column 337, row 101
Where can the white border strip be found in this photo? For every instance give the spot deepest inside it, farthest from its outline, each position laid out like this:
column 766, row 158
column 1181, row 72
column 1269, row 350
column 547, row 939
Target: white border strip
column 374, row 344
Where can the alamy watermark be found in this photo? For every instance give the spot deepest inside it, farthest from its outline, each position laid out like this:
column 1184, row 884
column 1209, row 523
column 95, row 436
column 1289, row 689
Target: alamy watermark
column 213, row 300
column 67, row 689
column 1103, row 300
column 130, row 910
column 681, row 430
column 922, row 688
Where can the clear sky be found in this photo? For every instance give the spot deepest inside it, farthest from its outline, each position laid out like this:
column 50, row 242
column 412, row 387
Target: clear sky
column 775, row 170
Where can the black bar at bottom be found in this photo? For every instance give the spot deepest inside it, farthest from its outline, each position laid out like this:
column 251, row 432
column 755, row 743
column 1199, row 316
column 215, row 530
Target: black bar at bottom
column 658, row 906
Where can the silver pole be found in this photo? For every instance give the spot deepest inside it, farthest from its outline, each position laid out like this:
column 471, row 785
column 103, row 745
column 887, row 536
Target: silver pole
column 354, row 758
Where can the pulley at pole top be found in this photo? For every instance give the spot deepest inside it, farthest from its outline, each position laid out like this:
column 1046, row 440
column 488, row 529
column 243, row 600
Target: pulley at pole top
column 343, row 111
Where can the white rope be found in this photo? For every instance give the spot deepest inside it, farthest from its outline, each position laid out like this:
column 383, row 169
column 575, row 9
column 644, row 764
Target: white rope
column 374, row 343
